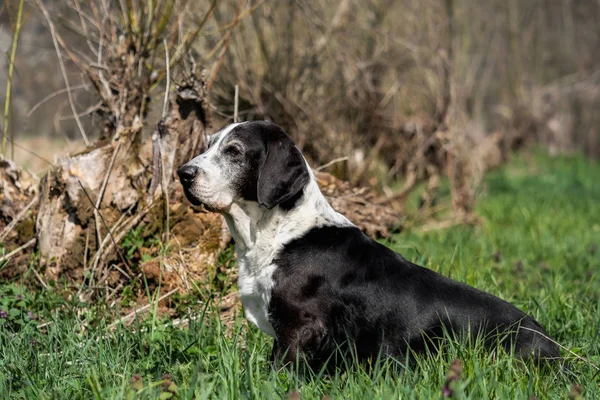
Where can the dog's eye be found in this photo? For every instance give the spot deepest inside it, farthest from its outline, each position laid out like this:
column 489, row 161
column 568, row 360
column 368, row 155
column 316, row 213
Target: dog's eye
column 233, row 150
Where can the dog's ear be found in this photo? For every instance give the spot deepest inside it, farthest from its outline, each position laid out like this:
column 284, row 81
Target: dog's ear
column 283, row 173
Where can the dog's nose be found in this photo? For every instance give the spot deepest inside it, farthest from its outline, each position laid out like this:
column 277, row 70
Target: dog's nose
column 187, row 173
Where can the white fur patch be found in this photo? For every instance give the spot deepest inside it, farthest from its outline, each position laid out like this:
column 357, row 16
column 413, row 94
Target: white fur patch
column 213, row 186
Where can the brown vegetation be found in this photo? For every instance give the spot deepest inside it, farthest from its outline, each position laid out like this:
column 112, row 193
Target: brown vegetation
column 376, row 92
column 419, row 90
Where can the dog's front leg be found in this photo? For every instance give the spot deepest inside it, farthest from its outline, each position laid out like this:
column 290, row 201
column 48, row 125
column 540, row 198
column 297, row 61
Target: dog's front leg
column 305, row 344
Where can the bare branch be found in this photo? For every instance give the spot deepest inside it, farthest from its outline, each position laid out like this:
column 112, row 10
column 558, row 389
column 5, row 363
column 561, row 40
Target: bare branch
column 63, row 70
column 19, row 249
column 52, row 95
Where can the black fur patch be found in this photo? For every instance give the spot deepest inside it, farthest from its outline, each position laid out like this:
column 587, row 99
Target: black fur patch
column 270, row 169
column 335, row 285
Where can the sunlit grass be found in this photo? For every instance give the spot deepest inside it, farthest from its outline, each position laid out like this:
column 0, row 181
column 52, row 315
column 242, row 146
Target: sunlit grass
column 538, row 247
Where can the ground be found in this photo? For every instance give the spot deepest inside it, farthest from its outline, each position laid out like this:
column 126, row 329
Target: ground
column 538, row 246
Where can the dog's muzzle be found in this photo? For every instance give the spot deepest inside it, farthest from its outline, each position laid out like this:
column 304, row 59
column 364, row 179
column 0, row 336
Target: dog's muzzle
column 186, row 174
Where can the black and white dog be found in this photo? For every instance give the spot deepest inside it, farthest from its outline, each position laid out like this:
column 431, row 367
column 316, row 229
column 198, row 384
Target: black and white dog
column 312, row 280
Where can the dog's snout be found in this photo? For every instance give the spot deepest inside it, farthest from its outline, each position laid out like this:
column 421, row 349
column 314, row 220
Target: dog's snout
column 187, row 173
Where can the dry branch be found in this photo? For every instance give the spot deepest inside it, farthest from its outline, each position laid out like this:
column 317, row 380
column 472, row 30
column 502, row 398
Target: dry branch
column 63, row 70
column 142, row 309
column 11, row 225
column 19, row 249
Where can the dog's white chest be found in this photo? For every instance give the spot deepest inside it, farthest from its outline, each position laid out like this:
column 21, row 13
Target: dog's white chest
column 255, row 287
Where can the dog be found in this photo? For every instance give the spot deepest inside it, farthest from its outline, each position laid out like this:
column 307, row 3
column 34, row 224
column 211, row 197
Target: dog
column 315, row 282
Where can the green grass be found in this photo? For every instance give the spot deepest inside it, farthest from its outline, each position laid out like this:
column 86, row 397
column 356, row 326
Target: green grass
column 538, row 247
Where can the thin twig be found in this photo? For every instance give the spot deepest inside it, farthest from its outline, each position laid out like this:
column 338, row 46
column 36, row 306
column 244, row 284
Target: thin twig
column 88, row 111
column 166, row 101
column 115, row 266
column 106, row 239
column 330, row 163
column 97, row 227
column 106, row 226
column 110, row 167
column 18, row 250
column 113, row 292
column 39, row 277
column 102, row 189
column 85, row 250
column 51, row 95
column 63, row 70
column 410, row 183
column 17, row 218
column 97, row 256
column 187, row 40
column 11, row 67
column 12, row 131
column 219, row 61
column 162, row 163
column 142, row 309
column 165, row 189
column 100, row 257
column 45, row 324
column 236, row 103
column 563, row 347
column 84, row 25
column 15, row 144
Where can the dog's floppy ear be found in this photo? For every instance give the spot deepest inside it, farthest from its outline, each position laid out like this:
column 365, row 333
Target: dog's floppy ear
column 283, row 173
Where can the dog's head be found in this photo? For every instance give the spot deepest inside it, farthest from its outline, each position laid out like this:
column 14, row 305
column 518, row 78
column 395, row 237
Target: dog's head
column 251, row 161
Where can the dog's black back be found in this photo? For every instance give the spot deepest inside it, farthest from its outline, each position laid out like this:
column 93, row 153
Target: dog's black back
column 335, row 285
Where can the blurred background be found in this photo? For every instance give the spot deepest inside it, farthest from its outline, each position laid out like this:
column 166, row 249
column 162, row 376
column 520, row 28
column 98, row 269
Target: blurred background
column 396, row 93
